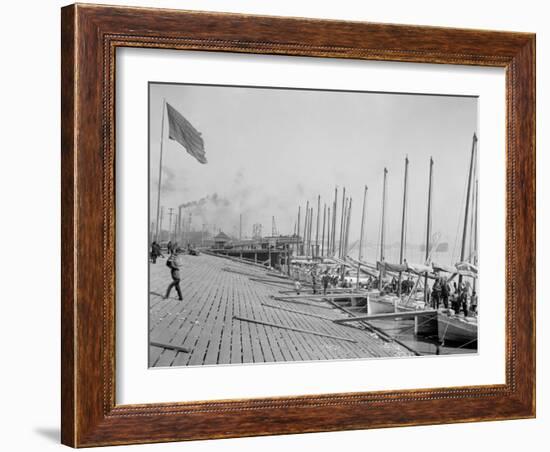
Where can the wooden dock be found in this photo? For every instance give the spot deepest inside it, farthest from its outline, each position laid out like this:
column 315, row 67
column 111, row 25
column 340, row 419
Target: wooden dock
column 229, row 317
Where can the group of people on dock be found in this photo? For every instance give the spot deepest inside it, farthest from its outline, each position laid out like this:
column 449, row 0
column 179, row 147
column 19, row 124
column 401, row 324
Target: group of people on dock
column 322, row 278
column 407, row 285
column 171, row 247
column 156, row 250
column 460, row 297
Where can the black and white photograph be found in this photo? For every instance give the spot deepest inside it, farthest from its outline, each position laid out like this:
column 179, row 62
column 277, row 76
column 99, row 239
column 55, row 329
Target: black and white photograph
column 301, row 225
column 261, row 226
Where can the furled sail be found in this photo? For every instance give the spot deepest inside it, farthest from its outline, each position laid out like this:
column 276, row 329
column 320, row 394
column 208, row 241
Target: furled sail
column 419, row 268
column 466, row 267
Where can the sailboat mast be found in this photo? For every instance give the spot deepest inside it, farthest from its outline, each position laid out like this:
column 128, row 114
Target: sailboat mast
column 343, row 231
column 316, row 247
column 310, row 231
column 471, row 235
column 334, row 209
column 342, row 222
column 382, row 238
column 466, row 212
column 428, row 229
column 304, row 242
column 382, row 244
column 329, row 231
column 306, row 232
column 346, row 240
column 473, row 203
column 297, row 251
column 362, row 234
column 475, row 223
column 475, row 231
column 324, row 225
column 403, row 216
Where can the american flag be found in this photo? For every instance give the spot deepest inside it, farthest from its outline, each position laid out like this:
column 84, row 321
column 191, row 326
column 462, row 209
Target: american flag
column 182, row 131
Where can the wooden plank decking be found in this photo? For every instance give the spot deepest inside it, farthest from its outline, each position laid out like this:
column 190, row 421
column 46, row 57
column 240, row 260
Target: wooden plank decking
column 217, row 292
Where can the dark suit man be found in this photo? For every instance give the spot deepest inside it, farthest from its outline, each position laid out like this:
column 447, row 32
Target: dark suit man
column 173, row 264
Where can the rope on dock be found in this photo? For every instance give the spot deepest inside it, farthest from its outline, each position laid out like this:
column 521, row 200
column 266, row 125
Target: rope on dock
column 302, row 303
column 334, row 290
column 279, row 282
column 277, row 275
column 392, row 315
column 325, row 297
column 299, row 330
column 295, row 311
column 268, row 283
column 240, row 272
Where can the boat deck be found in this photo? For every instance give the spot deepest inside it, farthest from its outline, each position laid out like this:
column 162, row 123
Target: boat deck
column 228, row 316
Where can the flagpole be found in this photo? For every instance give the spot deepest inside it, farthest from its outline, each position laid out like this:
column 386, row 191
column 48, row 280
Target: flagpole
column 160, row 167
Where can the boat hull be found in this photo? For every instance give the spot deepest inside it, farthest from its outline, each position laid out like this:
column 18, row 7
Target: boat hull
column 380, row 306
column 456, row 330
column 424, row 325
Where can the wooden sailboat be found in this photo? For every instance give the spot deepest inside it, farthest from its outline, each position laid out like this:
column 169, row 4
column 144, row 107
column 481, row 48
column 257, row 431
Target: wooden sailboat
column 394, row 303
column 390, row 302
column 377, row 303
column 403, row 224
column 428, row 230
column 456, row 328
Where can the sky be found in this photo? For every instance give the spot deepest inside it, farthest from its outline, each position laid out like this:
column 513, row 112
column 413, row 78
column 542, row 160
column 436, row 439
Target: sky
column 270, row 150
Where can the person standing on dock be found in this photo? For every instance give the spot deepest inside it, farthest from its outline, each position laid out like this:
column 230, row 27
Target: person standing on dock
column 473, row 304
column 466, row 298
column 436, row 293
column 462, row 300
column 297, row 286
column 155, row 252
column 445, row 289
column 314, row 281
column 410, row 285
column 394, row 285
column 455, row 299
column 173, row 264
column 325, row 280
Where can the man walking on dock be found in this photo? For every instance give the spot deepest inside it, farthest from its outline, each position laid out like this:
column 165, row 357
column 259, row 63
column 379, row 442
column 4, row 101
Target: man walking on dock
column 173, row 264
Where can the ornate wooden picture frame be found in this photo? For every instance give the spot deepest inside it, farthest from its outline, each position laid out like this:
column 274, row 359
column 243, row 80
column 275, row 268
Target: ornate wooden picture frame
column 90, row 37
